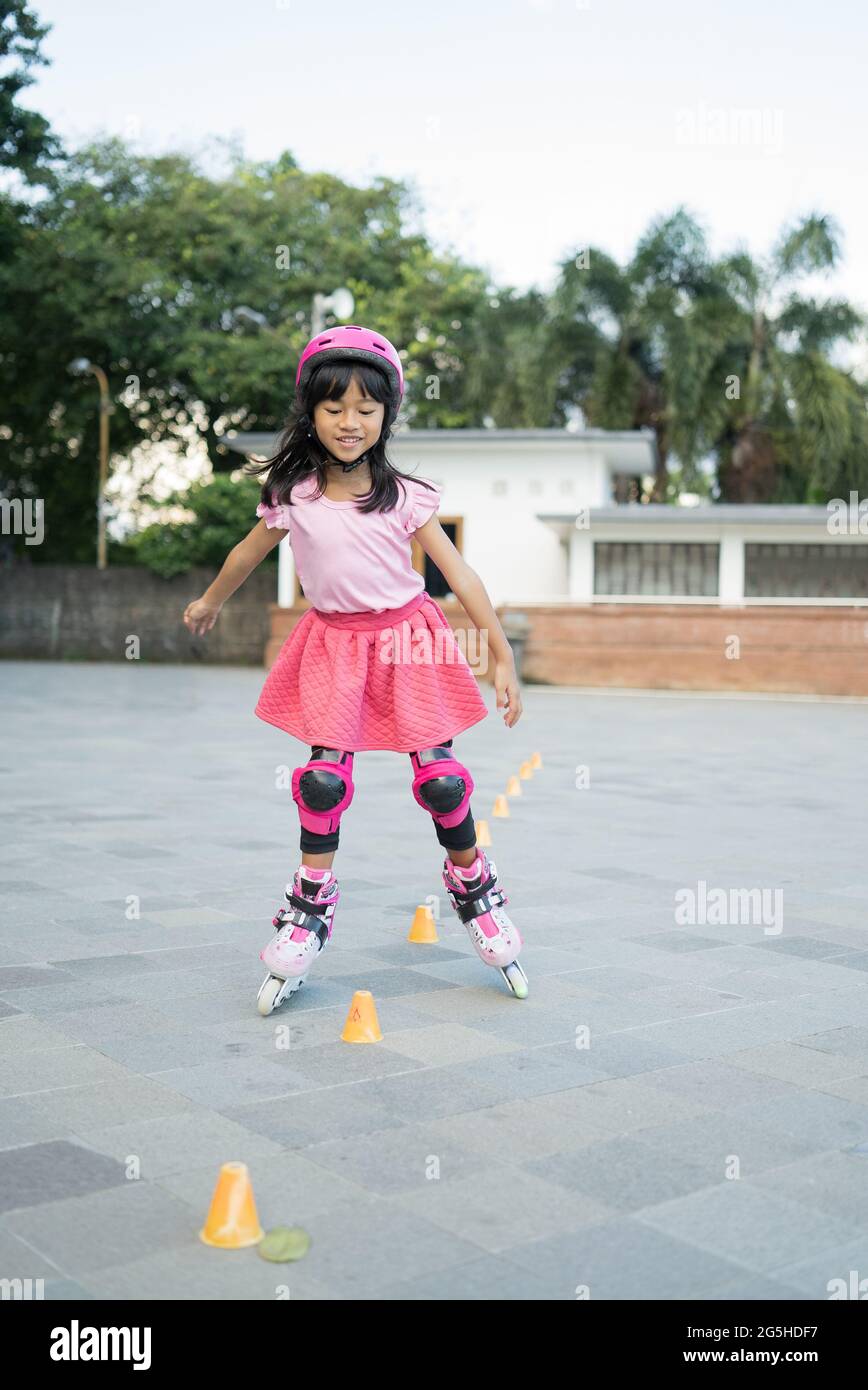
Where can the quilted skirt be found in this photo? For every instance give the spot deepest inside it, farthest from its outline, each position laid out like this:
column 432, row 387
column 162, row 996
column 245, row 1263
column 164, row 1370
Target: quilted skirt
column 395, row 680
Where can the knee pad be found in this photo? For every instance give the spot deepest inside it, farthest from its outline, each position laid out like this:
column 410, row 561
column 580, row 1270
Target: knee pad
column 323, row 789
column 441, row 784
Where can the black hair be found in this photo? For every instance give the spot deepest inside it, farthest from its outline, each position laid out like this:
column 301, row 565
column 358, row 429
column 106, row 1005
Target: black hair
column 300, row 454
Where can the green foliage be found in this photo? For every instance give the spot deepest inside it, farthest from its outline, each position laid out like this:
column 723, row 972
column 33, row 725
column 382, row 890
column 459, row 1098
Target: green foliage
column 221, row 513
column 26, row 141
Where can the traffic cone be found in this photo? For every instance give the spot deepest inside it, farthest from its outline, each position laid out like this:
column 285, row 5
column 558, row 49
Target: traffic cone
column 501, row 806
column 525, row 771
column 483, row 838
column 536, row 760
column 232, row 1222
column 513, row 787
column 423, row 929
column 362, row 1025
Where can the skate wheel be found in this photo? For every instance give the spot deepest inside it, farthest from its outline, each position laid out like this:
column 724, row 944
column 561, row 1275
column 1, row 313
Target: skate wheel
column 266, row 999
column 515, row 979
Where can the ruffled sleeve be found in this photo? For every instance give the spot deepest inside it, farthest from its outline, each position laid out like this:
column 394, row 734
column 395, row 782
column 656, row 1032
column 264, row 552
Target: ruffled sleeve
column 273, row 516
column 419, row 506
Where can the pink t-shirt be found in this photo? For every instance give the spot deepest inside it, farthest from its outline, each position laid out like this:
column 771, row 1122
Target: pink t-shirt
column 350, row 561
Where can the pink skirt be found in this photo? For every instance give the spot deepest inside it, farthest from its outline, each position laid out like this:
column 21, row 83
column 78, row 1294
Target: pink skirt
column 395, row 680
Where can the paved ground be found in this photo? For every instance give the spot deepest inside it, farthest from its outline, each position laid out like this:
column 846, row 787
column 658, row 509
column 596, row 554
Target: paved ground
column 710, row 1141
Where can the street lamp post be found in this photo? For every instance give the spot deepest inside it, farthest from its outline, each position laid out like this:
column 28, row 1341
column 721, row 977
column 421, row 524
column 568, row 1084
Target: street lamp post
column 80, row 367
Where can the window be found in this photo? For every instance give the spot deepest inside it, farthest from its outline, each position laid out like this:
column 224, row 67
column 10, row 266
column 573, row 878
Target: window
column 683, row 569
column 826, row 570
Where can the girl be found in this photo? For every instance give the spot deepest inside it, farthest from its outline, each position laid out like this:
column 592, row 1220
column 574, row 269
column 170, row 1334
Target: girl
column 373, row 663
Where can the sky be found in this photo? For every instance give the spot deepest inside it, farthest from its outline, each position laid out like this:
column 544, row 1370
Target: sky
column 528, row 128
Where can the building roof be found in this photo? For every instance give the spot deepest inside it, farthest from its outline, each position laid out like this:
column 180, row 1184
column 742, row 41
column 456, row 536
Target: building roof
column 637, row 513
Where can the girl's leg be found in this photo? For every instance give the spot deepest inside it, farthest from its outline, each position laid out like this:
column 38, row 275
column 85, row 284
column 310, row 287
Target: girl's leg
column 317, row 861
column 318, row 850
column 458, row 840
column 463, row 857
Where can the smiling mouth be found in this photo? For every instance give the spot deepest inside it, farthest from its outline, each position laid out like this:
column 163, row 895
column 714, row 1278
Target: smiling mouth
column 349, row 441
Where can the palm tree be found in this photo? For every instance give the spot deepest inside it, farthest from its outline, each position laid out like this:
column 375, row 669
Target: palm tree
column 722, row 359
column 632, row 356
column 784, row 422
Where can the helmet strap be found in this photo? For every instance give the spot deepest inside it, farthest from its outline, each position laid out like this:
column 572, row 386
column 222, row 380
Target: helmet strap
column 347, row 467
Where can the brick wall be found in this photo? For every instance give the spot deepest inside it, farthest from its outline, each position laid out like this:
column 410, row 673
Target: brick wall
column 77, row 612
column 821, row 651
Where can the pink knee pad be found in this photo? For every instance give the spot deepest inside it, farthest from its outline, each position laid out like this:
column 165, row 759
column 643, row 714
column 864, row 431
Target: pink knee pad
column 442, row 785
column 323, row 789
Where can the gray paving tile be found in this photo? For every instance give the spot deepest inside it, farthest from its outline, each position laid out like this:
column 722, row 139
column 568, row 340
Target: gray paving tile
column 176, row 1143
column 833, row 1272
column 197, row 1272
column 234, row 1081
column 624, row 1259
column 76, row 1108
column 742, row 1223
column 18, row 1260
column 622, row 1174
column 23, row 1123
column 481, row 1280
column 823, row 1121
column 50, row 1171
column 718, row 1083
column 83, row 1234
column 512, row 1207
column 798, row 1062
column 52, row 1070
column 716, row 1140
column 311, row 1117
column 836, row 1183
column 518, row 1131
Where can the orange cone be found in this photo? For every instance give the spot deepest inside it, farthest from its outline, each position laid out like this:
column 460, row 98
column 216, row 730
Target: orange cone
column 423, row 928
column 483, row 838
column 501, row 806
column 232, row 1222
column 513, row 787
column 536, row 760
column 362, row 1025
column 525, row 771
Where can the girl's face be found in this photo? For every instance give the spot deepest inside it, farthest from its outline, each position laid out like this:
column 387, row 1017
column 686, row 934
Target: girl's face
column 350, row 425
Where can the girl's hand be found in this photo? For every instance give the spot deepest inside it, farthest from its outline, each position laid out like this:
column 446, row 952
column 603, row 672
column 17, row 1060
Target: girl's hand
column 200, row 616
column 508, row 692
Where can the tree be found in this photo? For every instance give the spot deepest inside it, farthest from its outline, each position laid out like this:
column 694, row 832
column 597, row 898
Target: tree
column 630, row 360
column 792, row 426
column 137, row 263
column 26, row 142
column 220, row 512
column 721, row 359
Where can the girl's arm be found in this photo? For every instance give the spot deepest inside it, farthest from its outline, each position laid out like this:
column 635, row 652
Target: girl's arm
column 470, row 591
column 201, row 615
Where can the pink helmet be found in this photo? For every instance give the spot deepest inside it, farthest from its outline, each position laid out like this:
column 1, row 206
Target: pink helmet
column 362, row 344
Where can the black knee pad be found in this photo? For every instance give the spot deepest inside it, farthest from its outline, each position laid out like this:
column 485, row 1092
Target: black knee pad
column 323, row 789
column 441, row 784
